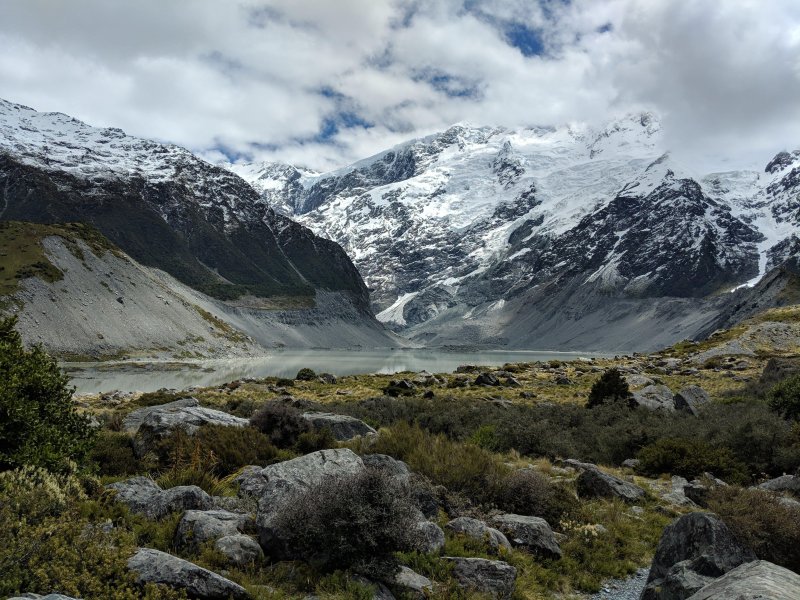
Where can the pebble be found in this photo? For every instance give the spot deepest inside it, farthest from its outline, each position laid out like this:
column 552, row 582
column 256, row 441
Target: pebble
column 623, row 589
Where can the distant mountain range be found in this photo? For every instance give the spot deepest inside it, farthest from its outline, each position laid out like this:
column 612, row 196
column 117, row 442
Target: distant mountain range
column 570, row 238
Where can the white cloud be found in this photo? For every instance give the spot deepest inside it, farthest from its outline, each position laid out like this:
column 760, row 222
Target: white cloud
column 249, row 75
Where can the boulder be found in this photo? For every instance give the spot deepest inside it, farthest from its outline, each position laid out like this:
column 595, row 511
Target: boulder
column 637, row 380
column 327, row 378
column 239, row 549
column 143, row 496
column 342, row 427
column 162, row 421
column 400, row 387
column 199, row 526
column 654, row 397
column 154, row 566
column 593, row 483
column 757, row 580
column 693, row 547
column 430, row 538
column 387, row 464
column 478, row 530
column 784, row 483
column 690, row 399
column 494, row 578
column 532, row 533
column 677, row 496
column 32, row 596
column 133, row 421
column 413, row 584
column 631, row 463
column 379, row 591
column 698, row 490
column 489, row 379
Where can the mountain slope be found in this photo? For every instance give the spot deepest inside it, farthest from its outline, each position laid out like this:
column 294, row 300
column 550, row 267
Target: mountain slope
column 469, row 236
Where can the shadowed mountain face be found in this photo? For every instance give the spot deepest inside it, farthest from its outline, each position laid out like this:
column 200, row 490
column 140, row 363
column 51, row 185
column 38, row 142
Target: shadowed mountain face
column 164, row 207
column 538, row 236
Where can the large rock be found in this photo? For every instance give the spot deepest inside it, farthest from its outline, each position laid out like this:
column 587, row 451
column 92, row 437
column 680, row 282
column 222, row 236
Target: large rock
column 494, row 578
column 387, row 464
column 478, row 530
column 413, row 584
column 430, row 538
column 532, row 533
column 677, row 495
column 757, row 580
column 143, row 496
column 134, row 420
column 239, row 549
column 692, row 550
column 784, row 483
column 343, row 427
column 199, row 526
column 654, row 397
column 593, row 483
column 154, row 566
column 163, row 420
column 690, row 399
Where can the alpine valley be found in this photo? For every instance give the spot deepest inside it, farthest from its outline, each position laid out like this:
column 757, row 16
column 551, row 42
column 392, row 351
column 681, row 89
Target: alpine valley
column 566, row 238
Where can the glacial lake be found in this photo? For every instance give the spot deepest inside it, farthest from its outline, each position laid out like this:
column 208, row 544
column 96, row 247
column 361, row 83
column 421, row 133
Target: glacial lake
column 151, row 376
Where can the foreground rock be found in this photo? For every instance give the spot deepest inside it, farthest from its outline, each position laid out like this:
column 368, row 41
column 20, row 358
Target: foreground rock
column 199, row 526
column 154, row 566
column 342, row 427
column 593, row 483
column 143, row 496
column 134, row 420
column 784, row 483
column 413, row 584
column 387, row 464
column 430, row 537
column 693, row 551
column 239, row 549
column 532, row 533
column 478, row 530
column 654, row 397
column 161, row 421
column 757, row 580
column 492, row 577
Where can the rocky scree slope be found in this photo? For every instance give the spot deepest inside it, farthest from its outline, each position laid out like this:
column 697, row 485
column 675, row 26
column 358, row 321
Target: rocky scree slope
column 166, row 209
column 567, row 238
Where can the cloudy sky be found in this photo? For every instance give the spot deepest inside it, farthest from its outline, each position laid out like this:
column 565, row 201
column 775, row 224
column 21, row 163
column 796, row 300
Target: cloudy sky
column 325, row 82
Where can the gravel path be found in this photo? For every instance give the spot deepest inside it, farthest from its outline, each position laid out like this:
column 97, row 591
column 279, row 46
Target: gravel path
column 623, row 589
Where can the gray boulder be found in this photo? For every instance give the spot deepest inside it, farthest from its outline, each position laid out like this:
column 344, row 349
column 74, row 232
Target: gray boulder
column 162, row 421
column 32, row 596
column 694, row 547
column 154, row 566
column 638, row 380
column 593, row 483
column 430, row 538
column 494, row 578
column 654, row 397
column 133, row 421
column 143, row 496
column 698, row 490
column 239, row 549
column 478, row 530
column 412, row 583
column 690, row 399
column 379, row 591
column 489, row 379
column 387, row 464
column 532, row 533
column 784, row 483
column 677, row 496
column 343, row 427
column 757, row 580
column 199, row 526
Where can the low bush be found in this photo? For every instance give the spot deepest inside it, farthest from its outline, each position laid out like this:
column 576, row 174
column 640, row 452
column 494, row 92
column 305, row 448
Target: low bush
column 158, row 397
column 761, row 521
column 112, row 454
column 236, row 447
column 357, row 521
column 311, row 441
column 784, row 398
column 306, row 374
column 611, row 386
column 283, row 424
column 690, row 458
column 526, row 492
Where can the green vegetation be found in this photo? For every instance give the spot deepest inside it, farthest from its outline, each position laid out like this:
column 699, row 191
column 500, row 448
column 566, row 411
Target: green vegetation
column 690, row 458
column 784, row 398
column 39, row 425
column 611, row 387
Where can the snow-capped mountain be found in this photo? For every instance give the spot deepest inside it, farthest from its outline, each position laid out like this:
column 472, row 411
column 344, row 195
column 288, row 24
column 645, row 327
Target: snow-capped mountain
column 516, row 237
column 168, row 209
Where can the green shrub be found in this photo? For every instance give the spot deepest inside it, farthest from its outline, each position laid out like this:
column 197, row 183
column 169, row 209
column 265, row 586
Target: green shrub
column 236, row 447
column 459, row 466
column 162, row 396
column 283, row 424
column 758, row 519
column 690, row 458
column 784, row 398
column 306, row 374
column 311, row 441
column 355, row 521
column 112, row 454
column 38, row 421
column 526, row 492
column 611, row 386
